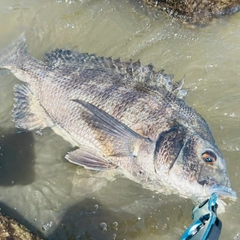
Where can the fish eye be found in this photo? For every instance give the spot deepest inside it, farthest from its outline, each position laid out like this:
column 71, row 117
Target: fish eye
column 209, row 157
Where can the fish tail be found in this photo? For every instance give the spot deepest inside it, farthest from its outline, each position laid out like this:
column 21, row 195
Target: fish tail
column 14, row 53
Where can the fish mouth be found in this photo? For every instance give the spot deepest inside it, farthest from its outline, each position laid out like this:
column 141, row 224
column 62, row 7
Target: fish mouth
column 223, row 192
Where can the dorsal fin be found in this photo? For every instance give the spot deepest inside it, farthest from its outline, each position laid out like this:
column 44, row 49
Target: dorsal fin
column 131, row 71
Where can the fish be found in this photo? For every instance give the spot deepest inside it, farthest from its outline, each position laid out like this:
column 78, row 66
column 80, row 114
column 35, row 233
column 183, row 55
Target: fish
column 121, row 116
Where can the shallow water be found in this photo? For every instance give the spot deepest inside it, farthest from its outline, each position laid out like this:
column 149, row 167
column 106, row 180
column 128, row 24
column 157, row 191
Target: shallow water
column 61, row 201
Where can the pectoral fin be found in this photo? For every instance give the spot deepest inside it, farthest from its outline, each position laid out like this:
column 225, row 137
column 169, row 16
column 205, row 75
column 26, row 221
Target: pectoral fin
column 168, row 147
column 115, row 138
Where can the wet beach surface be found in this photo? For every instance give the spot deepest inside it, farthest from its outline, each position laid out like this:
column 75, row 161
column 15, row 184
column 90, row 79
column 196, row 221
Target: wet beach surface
column 59, row 200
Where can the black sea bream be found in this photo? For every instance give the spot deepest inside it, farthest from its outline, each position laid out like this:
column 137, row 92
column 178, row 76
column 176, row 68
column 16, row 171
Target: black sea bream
column 120, row 115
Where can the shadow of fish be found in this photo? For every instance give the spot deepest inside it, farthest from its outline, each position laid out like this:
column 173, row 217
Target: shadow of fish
column 121, row 115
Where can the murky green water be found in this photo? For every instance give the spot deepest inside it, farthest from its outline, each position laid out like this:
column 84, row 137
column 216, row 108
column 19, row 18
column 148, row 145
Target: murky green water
column 62, row 201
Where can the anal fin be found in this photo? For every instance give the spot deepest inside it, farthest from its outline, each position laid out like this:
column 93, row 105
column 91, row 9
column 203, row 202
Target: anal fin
column 28, row 114
column 89, row 160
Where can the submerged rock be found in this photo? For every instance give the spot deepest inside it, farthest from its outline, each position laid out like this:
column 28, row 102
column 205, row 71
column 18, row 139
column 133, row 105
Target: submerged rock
column 12, row 230
column 196, row 12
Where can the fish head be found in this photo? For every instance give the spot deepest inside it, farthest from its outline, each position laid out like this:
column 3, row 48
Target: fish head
column 192, row 166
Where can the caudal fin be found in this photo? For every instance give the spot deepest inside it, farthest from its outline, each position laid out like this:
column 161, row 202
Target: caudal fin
column 13, row 54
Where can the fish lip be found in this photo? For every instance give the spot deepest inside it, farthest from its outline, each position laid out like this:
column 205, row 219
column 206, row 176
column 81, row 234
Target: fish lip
column 223, row 192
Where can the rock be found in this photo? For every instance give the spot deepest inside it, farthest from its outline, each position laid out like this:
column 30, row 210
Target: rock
column 194, row 11
column 10, row 229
